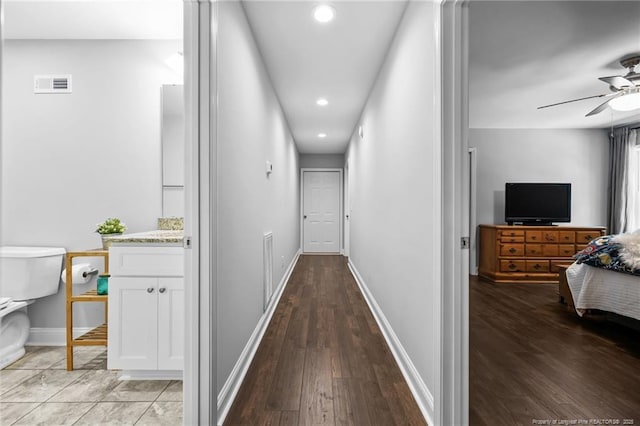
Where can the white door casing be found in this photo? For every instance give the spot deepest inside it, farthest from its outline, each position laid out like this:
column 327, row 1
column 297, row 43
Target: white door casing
column 321, row 210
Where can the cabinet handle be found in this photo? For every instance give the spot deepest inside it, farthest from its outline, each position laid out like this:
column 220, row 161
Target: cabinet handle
column 150, row 290
column 512, row 250
column 162, row 289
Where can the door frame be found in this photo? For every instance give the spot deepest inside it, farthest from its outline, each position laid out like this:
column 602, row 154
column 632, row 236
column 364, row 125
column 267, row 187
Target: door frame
column 341, row 208
column 453, row 27
column 200, row 20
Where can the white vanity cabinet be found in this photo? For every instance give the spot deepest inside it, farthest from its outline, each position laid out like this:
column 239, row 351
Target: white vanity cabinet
column 146, row 310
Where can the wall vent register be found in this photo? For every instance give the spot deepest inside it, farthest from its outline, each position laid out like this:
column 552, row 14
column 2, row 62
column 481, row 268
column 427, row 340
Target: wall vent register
column 52, row 83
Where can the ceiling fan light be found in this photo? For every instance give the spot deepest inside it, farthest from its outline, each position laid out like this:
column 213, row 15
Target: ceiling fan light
column 627, row 102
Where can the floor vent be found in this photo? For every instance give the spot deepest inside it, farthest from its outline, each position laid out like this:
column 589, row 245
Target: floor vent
column 267, row 262
column 52, row 83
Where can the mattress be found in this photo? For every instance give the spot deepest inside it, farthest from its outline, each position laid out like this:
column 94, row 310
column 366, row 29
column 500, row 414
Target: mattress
column 595, row 288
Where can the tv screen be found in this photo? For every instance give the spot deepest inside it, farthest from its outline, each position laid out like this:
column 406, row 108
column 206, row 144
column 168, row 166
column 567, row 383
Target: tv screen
column 537, row 203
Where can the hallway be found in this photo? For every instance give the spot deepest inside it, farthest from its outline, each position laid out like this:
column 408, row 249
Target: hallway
column 323, row 359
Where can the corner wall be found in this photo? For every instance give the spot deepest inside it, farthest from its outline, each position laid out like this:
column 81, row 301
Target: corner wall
column 394, row 197
column 251, row 131
column 71, row 160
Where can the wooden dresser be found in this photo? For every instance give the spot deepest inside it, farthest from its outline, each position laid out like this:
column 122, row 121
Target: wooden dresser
column 530, row 254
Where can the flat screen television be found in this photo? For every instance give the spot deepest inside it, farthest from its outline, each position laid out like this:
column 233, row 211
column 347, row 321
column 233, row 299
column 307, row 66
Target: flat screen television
column 537, row 203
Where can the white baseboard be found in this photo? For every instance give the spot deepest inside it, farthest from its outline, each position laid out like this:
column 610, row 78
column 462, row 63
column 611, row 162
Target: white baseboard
column 40, row 336
column 150, row 375
column 419, row 389
column 232, row 385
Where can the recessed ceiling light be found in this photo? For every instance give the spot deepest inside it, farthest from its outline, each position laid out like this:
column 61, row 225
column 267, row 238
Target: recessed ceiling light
column 324, row 13
column 322, row 102
column 322, row 135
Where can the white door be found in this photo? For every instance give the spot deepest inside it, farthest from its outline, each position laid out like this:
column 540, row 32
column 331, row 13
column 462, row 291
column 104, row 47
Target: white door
column 321, row 211
column 171, row 323
column 133, row 323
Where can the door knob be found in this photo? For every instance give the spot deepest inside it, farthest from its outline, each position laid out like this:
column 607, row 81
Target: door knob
column 305, row 216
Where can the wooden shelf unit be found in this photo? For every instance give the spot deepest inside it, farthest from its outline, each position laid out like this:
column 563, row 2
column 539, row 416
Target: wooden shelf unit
column 98, row 335
column 530, row 254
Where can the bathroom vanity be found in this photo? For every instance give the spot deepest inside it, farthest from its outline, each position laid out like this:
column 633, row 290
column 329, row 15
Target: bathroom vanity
column 146, row 305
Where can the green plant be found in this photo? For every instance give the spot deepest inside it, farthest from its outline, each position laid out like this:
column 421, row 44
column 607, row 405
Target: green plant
column 111, row 226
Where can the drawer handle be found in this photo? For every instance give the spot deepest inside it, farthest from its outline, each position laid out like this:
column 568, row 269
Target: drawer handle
column 162, row 289
column 512, row 250
column 537, row 266
column 533, row 237
column 588, row 237
column 150, row 290
column 512, row 266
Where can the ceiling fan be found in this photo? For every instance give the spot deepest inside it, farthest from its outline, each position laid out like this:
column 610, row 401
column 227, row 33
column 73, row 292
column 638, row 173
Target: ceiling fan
column 626, row 89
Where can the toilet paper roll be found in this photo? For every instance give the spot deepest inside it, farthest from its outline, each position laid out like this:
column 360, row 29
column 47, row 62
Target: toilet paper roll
column 80, row 273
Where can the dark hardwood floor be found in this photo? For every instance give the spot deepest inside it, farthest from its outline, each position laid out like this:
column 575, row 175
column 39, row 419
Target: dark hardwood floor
column 323, row 359
column 531, row 360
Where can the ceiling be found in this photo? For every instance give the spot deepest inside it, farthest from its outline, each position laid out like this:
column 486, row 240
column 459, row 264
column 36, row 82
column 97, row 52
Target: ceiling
column 522, row 54
column 527, row 54
column 338, row 61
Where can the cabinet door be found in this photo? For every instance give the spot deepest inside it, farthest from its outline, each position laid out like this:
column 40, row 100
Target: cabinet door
column 171, row 323
column 133, row 313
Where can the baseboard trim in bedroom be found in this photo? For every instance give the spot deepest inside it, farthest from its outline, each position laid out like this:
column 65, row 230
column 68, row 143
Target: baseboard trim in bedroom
column 232, row 385
column 419, row 389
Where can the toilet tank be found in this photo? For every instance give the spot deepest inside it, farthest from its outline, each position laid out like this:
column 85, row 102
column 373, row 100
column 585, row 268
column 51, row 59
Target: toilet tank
column 30, row 272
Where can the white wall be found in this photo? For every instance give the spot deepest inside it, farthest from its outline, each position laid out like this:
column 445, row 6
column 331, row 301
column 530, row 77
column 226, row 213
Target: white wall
column 577, row 156
column 395, row 196
column 251, row 130
column 335, row 161
column 69, row 161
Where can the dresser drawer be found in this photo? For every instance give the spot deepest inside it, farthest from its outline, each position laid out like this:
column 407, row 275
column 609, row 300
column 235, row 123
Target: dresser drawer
column 512, row 266
column 519, row 239
column 566, row 250
column 537, row 266
column 566, row 236
column 583, row 237
column 550, row 236
column 511, row 233
column 533, row 236
column 511, row 249
column 533, row 250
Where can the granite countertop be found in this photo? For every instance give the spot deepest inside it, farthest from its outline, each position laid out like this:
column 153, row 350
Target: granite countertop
column 156, row 236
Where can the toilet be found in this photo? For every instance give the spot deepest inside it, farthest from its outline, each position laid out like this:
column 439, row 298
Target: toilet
column 26, row 274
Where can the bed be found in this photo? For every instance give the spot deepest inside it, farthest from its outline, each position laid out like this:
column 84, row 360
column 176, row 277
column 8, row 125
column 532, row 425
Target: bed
column 605, row 277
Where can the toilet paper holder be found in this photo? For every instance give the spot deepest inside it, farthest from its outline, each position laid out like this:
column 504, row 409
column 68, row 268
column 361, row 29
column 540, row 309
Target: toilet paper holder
column 93, row 271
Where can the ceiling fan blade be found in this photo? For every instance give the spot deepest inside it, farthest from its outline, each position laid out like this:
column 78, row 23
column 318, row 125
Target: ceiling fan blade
column 603, row 105
column 617, row 81
column 573, row 100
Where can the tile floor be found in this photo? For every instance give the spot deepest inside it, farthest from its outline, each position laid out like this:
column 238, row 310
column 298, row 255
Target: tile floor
column 38, row 390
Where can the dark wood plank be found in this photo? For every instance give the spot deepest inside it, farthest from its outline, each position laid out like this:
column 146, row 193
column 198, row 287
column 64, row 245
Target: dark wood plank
column 316, row 406
column 530, row 359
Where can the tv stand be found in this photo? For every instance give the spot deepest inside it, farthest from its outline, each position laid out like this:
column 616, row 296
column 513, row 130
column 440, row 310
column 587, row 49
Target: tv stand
column 530, row 254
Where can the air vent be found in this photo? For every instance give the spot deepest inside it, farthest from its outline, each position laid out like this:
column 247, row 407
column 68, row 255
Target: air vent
column 52, row 83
